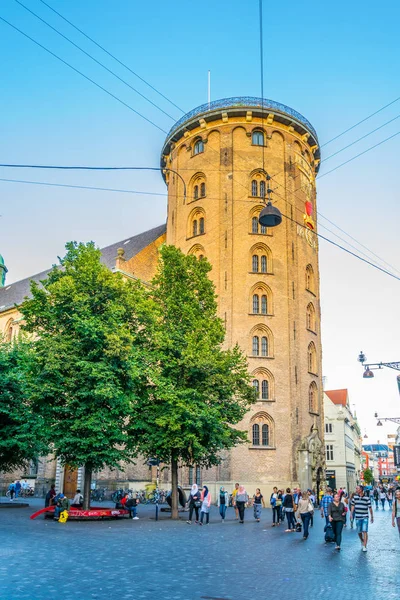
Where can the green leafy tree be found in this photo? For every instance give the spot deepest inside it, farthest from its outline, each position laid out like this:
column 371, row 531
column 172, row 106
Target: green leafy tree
column 87, row 363
column 197, row 392
column 22, row 430
column 368, row 476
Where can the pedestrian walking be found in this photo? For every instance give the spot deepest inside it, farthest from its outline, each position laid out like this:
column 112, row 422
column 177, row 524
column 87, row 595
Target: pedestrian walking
column 376, row 498
column 241, row 499
column 235, row 491
column 223, row 500
column 258, row 503
column 326, row 500
column 17, row 488
column 389, row 497
column 280, row 506
column 382, row 497
column 396, row 511
column 194, row 503
column 337, row 518
column 289, row 507
column 311, row 497
column 351, row 514
column 361, row 504
column 276, row 502
column 205, row 505
column 11, row 489
column 304, row 510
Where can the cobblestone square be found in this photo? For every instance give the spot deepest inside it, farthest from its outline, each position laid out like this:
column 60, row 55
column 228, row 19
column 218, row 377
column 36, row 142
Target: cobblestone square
column 226, row 561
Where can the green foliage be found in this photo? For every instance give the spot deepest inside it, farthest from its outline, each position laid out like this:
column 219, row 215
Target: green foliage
column 368, row 476
column 87, row 361
column 197, row 391
column 22, row 431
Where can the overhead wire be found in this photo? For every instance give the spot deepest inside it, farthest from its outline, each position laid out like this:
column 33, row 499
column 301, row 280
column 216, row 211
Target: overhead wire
column 112, row 56
column 82, row 74
column 94, row 59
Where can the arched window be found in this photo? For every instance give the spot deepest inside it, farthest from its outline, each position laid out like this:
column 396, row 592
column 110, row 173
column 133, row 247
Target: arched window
column 9, row 332
column 312, row 359
column 265, row 435
column 196, row 223
column 263, row 263
column 195, row 227
column 263, row 229
column 196, row 192
column 201, row 225
column 254, row 263
column 202, row 189
column 310, row 317
column 256, row 304
column 254, row 188
column 265, row 385
column 256, row 434
column 262, row 421
column 264, row 346
column 256, row 386
column 313, row 398
column 256, row 345
column 310, row 281
column 262, row 189
column 254, row 225
column 264, row 305
column 264, row 389
column 257, row 138
column 198, row 146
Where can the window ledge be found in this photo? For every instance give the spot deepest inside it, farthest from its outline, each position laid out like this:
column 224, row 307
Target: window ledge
column 265, row 400
column 195, row 236
column 313, row 412
column 312, row 373
column 195, row 199
column 261, row 272
column 267, row 233
column 261, row 314
column 311, row 292
column 311, row 330
column 263, row 357
column 262, row 448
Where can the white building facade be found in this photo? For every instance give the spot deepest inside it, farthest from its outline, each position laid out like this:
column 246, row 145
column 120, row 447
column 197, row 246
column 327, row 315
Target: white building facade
column 343, row 443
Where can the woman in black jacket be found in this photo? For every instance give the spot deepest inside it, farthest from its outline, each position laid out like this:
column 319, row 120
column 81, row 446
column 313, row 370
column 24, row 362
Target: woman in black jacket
column 194, row 503
column 289, row 506
column 337, row 518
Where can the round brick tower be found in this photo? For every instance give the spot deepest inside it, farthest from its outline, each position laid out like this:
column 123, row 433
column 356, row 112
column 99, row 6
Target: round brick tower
column 267, row 280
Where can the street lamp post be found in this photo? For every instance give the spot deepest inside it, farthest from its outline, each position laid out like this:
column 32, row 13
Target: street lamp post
column 368, row 374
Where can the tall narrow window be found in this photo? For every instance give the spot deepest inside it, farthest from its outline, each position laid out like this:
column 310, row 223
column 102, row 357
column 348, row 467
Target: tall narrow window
column 257, row 138
column 256, row 434
column 312, row 359
column 190, row 475
column 313, row 398
column 254, row 263
column 254, row 225
column 262, row 189
column 202, row 190
column 264, row 305
column 263, row 229
column 263, row 264
column 195, row 227
column 256, row 345
column 198, row 147
column 201, row 225
column 256, row 304
column 198, row 475
column 264, row 390
column 264, row 346
column 265, row 435
column 196, row 192
column 256, row 386
column 254, row 188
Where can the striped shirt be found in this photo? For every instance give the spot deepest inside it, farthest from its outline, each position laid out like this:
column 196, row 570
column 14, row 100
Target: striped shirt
column 326, row 500
column 361, row 505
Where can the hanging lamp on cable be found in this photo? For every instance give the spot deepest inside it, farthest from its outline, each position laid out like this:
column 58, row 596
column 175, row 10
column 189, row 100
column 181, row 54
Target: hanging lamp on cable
column 270, row 216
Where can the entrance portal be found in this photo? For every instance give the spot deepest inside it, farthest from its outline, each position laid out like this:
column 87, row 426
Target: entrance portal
column 70, row 481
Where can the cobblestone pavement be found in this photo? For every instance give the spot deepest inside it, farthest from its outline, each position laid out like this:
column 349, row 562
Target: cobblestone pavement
column 172, row 560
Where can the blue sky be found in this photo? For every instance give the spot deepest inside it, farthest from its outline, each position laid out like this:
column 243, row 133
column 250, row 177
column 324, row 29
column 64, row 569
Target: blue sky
column 335, row 64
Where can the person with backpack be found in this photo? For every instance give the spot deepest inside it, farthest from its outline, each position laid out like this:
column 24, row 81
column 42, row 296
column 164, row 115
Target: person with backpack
column 289, row 506
column 304, row 510
column 241, row 499
column 61, row 506
column 326, row 500
column 194, row 503
column 337, row 518
column 276, row 508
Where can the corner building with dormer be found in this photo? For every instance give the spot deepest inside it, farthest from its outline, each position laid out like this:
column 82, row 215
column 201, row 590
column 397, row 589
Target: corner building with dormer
column 217, row 160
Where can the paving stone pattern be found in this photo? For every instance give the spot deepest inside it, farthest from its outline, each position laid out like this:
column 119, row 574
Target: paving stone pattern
column 171, row 560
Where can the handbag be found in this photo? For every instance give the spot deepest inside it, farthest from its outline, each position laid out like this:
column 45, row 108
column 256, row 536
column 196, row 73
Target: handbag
column 310, row 507
column 197, row 503
column 298, row 527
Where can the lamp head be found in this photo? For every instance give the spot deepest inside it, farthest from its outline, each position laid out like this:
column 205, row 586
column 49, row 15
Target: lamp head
column 270, row 216
column 368, row 374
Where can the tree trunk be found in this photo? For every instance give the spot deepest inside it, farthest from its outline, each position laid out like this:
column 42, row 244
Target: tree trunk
column 174, row 491
column 87, row 487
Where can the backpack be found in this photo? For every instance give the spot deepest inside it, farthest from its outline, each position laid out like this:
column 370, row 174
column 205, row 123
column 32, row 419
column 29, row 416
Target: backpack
column 329, row 535
column 273, row 501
